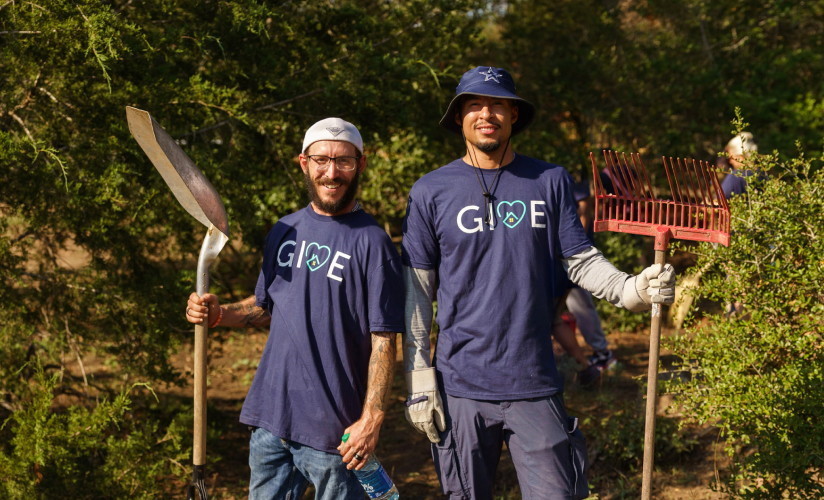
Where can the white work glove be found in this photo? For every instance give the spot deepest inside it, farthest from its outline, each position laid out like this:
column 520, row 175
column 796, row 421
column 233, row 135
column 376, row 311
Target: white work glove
column 655, row 284
column 424, row 408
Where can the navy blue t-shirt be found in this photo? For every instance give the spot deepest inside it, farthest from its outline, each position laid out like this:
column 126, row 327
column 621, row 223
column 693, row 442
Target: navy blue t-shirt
column 735, row 182
column 327, row 282
column 497, row 285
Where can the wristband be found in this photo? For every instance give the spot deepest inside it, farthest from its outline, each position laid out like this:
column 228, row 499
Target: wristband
column 219, row 317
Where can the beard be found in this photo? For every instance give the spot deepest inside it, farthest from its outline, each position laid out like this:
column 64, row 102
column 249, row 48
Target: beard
column 488, row 147
column 334, row 207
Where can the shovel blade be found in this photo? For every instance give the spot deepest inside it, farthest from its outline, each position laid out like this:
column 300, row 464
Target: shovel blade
column 191, row 188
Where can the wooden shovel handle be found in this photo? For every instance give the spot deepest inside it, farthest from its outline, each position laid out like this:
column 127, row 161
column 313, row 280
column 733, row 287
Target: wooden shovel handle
column 199, row 445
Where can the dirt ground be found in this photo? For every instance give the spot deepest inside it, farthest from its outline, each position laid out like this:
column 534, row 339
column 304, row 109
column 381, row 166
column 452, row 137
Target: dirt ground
column 405, row 453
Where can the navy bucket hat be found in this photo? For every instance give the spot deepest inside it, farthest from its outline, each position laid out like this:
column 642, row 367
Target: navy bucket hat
column 490, row 82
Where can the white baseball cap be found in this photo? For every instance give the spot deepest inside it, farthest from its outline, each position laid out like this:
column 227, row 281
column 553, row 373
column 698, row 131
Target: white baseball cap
column 741, row 143
column 333, row 129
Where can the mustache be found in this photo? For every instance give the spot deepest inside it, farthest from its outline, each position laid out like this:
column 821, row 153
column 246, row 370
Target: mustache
column 330, row 180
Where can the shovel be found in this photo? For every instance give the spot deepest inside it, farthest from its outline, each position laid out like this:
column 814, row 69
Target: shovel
column 696, row 210
column 194, row 192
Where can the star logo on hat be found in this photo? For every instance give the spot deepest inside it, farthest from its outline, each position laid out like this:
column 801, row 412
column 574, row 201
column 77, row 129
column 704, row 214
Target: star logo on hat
column 490, row 74
column 335, row 131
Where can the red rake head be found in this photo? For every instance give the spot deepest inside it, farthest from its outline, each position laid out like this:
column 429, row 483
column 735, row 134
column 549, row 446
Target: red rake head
column 697, row 209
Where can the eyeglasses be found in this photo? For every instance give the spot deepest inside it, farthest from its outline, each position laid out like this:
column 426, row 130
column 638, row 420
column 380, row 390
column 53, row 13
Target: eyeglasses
column 343, row 163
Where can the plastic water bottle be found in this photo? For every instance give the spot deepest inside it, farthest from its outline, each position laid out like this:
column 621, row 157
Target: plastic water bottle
column 374, row 479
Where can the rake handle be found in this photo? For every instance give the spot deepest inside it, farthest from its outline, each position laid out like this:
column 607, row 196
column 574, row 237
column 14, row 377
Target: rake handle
column 652, row 384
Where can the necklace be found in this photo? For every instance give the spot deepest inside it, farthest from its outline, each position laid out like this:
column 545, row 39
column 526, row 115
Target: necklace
column 487, row 191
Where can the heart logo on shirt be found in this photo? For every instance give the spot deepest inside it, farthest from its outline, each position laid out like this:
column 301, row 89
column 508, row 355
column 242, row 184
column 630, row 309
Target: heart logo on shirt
column 515, row 211
column 315, row 261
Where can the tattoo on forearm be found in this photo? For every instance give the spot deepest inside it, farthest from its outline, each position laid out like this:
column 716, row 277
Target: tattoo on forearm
column 257, row 317
column 251, row 315
column 381, row 366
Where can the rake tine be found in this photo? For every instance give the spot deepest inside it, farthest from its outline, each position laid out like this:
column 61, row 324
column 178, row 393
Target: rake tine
column 721, row 201
column 635, row 186
column 674, row 191
column 649, row 201
column 635, row 181
column 599, row 188
column 607, row 204
column 719, row 193
column 686, row 188
column 725, row 211
column 709, row 213
column 631, row 176
column 695, row 176
column 691, row 194
column 686, row 191
column 618, row 207
column 683, row 197
column 692, row 182
column 596, row 182
column 706, row 193
column 626, row 176
column 626, row 185
column 643, row 177
column 642, row 187
column 716, row 197
column 684, row 166
column 612, row 169
column 667, row 170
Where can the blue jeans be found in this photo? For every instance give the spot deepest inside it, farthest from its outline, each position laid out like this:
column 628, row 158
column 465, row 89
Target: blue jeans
column 282, row 469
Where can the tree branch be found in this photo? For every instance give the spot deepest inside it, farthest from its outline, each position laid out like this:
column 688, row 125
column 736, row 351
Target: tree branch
column 22, row 124
column 262, row 108
column 76, row 350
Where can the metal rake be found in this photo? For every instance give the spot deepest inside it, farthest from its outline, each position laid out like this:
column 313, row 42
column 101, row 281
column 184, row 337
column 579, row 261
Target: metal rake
column 695, row 210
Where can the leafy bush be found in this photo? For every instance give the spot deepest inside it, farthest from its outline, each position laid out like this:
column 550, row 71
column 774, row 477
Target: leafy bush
column 99, row 452
column 759, row 374
column 618, row 438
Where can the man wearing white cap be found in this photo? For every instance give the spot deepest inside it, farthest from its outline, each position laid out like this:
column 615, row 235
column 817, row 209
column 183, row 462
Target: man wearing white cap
column 737, row 150
column 330, row 292
column 491, row 234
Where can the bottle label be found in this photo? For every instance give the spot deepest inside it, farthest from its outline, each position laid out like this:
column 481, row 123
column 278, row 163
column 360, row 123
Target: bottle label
column 376, row 483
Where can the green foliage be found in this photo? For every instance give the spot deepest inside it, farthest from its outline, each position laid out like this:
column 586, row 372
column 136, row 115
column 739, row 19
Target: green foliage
column 392, row 171
column 617, row 438
column 664, row 77
column 759, row 375
column 101, row 451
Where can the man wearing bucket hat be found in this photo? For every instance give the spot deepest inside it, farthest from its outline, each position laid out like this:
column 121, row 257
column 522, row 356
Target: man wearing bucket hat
column 489, row 235
column 330, row 292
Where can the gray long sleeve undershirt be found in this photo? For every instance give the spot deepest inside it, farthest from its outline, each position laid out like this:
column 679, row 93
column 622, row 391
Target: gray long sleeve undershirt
column 588, row 269
column 592, row 271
